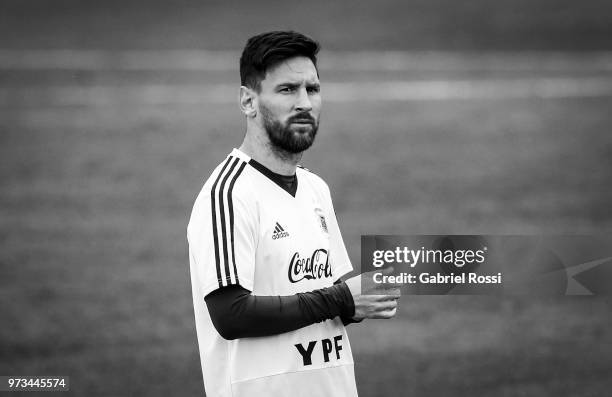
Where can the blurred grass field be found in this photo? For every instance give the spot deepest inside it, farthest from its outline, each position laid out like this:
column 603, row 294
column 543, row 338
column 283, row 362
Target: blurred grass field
column 94, row 203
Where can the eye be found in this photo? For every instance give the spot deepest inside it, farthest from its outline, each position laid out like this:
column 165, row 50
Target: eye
column 286, row 89
column 315, row 89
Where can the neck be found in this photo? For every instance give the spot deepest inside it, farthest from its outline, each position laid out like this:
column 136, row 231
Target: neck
column 258, row 147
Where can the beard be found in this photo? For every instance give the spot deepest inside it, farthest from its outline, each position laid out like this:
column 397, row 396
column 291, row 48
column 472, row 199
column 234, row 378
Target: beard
column 287, row 136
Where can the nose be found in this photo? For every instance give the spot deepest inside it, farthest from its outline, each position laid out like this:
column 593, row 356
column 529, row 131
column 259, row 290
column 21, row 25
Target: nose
column 303, row 103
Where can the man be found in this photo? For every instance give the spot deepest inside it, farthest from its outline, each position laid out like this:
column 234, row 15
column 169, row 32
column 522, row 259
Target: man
column 265, row 247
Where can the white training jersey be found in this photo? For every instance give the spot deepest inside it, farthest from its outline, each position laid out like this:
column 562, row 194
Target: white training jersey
column 246, row 229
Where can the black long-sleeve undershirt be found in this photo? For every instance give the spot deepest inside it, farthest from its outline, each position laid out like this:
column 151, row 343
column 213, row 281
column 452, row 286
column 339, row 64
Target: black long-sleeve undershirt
column 236, row 313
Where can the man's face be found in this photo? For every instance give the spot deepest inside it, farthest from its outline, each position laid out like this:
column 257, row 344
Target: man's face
column 289, row 103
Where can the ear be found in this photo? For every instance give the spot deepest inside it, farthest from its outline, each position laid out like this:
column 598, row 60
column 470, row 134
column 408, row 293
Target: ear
column 247, row 101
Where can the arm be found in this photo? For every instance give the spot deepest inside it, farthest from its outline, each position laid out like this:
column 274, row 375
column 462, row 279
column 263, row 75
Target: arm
column 236, row 313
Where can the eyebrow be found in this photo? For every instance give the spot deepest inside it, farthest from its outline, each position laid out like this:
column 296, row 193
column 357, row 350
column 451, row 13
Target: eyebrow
column 288, row 84
column 293, row 84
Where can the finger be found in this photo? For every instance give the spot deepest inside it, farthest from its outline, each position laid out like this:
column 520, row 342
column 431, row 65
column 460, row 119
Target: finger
column 383, row 298
column 391, row 297
column 391, row 313
column 393, row 293
column 386, row 305
column 387, row 294
column 387, row 270
column 386, row 314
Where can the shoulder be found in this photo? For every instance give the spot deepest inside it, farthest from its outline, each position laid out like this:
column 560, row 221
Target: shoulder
column 225, row 177
column 228, row 182
column 313, row 179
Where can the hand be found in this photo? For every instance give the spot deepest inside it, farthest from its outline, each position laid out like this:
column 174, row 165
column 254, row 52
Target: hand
column 373, row 300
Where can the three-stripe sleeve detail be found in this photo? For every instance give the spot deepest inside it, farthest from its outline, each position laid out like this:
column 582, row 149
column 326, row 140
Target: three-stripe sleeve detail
column 223, row 220
column 213, row 201
column 231, row 214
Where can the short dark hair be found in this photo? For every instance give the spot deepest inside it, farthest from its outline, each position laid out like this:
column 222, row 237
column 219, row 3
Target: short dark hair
column 268, row 49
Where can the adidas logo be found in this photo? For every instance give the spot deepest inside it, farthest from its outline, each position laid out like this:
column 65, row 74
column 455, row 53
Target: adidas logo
column 279, row 232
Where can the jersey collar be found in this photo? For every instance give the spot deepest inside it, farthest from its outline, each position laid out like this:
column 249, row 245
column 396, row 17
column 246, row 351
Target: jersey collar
column 274, row 177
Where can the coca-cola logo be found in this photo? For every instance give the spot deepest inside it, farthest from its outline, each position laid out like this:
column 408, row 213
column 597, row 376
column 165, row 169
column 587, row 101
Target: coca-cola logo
column 314, row 267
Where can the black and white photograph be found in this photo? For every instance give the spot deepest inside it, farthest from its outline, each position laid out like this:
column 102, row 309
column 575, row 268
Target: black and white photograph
column 273, row 198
